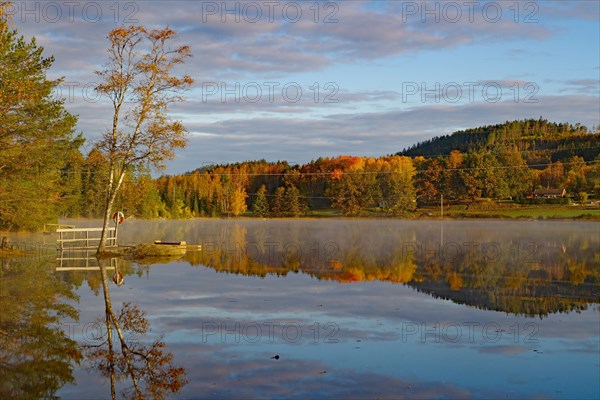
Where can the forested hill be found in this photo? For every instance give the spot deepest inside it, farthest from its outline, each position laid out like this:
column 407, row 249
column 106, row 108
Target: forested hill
column 535, row 139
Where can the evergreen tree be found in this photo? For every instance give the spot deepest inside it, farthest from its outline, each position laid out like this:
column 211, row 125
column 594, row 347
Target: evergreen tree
column 278, row 207
column 216, row 207
column 71, row 185
column 36, row 135
column 293, row 206
column 38, row 356
column 94, row 180
column 260, row 206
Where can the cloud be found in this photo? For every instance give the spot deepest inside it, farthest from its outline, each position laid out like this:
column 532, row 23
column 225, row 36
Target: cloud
column 576, row 10
column 362, row 122
column 267, row 46
column 255, row 375
column 504, row 350
column 587, row 86
column 301, row 138
column 231, row 131
column 214, row 98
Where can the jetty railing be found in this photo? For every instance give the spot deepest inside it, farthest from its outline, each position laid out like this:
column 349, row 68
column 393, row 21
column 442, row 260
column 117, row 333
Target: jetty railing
column 84, row 238
column 80, row 260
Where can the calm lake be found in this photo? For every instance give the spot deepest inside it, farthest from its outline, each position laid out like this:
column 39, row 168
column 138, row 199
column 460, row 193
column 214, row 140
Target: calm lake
column 320, row 309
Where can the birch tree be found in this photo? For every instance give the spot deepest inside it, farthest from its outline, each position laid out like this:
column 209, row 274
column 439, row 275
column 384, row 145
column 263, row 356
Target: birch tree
column 139, row 80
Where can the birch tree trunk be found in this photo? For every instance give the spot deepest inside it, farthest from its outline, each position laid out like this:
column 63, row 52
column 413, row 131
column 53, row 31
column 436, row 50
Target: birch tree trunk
column 108, row 212
column 110, row 317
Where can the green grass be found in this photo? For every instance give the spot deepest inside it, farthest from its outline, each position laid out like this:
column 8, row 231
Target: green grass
column 546, row 212
column 490, row 210
column 324, row 213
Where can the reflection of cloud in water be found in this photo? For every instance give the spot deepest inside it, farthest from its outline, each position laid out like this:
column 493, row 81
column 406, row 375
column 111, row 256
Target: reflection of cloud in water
column 293, row 298
column 182, row 296
column 497, row 265
column 231, row 375
column 507, row 350
column 210, row 329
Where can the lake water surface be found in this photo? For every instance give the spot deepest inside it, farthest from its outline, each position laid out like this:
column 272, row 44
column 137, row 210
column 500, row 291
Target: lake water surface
column 324, row 309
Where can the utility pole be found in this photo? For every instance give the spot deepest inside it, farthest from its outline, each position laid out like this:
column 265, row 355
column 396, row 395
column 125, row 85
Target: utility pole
column 442, row 205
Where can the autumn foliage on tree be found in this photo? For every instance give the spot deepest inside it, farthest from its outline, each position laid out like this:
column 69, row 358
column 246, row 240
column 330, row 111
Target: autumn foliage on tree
column 139, row 81
column 362, row 183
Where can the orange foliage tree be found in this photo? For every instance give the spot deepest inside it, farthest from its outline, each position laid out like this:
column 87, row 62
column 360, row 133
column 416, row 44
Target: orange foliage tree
column 139, row 82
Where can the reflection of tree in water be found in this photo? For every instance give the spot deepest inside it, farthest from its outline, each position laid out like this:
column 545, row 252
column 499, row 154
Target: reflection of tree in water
column 531, row 298
column 35, row 353
column 94, row 280
column 560, row 278
column 148, row 366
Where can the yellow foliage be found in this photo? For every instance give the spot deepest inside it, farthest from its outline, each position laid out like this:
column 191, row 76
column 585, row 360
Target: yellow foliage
column 455, row 280
column 238, row 201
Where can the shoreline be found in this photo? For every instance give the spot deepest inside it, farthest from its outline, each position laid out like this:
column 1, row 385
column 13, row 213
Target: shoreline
column 477, row 216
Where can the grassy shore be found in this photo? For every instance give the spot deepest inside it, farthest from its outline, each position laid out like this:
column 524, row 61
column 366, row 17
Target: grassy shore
column 536, row 212
column 501, row 211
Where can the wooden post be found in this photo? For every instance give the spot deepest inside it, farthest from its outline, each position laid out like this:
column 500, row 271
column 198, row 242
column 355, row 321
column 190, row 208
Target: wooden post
column 442, row 204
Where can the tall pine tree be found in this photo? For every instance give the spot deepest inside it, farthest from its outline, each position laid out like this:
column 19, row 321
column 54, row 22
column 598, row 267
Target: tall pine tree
column 260, row 207
column 36, row 135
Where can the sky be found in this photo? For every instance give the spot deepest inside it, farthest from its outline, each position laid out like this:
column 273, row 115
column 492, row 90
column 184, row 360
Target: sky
column 299, row 80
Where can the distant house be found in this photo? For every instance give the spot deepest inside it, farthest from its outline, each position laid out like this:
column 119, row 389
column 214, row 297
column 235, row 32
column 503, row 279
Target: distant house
column 549, row 193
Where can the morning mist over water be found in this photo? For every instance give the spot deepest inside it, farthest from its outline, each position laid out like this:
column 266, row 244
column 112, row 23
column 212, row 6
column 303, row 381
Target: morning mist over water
column 290, row 308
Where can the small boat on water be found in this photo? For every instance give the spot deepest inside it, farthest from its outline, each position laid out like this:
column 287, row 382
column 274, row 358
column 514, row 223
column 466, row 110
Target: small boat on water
column 181, row 245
